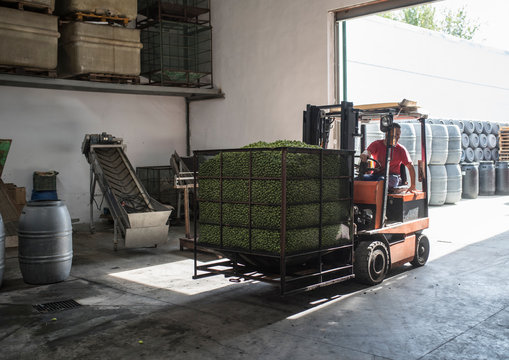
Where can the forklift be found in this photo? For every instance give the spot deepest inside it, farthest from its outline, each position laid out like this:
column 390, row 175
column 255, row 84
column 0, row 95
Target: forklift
column 388, row 226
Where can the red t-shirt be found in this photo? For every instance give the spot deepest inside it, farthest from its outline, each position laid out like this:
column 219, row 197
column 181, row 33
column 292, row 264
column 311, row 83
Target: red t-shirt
column 399, row 155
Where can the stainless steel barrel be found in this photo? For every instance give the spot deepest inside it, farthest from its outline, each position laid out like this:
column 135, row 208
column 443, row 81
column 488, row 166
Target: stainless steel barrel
column 45, row 242
column 502, row 177
column 453, row 183
column 470, row 183
column 454, row 145
column 438, row 191
column 487, row 183
column 2, row 250
column 439, row 144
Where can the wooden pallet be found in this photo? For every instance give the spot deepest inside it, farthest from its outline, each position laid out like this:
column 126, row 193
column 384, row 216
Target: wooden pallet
column 503, row 153
column 109, row 78
column 82, row 16
column 29, row 6
column 29, row 71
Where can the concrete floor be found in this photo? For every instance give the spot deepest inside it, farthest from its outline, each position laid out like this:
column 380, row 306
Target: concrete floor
column 142, row 303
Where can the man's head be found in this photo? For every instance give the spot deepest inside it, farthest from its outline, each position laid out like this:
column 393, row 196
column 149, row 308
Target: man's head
column 396, row 133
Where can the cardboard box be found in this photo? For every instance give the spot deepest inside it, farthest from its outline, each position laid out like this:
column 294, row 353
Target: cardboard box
column 17, row 194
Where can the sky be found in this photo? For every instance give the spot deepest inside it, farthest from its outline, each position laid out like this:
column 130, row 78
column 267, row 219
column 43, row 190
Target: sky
column 492, row 16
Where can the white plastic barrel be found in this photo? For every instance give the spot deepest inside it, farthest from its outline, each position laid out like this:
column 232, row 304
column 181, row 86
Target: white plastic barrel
column 479, row 127
column 407, row 138
column 494, row 154
column 429, row 140
column 483, row 141
column 473, row 140
column 478, row 155
column 469, row 127
column 460, row 124
column 438, row 192
column 469, row 155
column 487, row 127
column 439, row 144
column 492, row 141
column 454, row 145
column 465, row 141
column 453, row 183
column 486, row 154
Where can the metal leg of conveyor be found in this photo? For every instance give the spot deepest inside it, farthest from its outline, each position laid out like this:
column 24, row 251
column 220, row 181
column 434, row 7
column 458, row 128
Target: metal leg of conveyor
column 115, row 235
column 92, row 191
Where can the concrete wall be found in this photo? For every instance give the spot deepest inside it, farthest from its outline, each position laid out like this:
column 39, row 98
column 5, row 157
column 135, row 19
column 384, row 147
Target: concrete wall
column 271, row 59
column 48, row 127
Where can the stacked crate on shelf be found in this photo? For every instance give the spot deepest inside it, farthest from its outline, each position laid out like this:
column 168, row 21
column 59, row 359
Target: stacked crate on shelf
column 29, row 38
column 97, row 43
column 177, row 42
column 504, row 144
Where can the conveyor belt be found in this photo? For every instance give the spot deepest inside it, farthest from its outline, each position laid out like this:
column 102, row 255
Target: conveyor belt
column 141, row 220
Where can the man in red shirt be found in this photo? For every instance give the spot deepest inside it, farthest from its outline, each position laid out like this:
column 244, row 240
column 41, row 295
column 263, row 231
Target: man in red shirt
column 400, row 156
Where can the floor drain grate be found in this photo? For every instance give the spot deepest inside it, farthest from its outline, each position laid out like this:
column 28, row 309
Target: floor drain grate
column 56, row 306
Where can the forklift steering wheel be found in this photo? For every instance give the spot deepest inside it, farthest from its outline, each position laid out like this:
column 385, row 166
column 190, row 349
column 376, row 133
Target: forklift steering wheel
column 363, row 166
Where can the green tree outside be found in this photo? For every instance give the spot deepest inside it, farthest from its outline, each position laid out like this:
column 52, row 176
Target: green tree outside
column 453, row 22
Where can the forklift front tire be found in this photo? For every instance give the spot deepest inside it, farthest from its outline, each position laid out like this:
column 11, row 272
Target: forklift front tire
column 371, row 262
column 421, row 251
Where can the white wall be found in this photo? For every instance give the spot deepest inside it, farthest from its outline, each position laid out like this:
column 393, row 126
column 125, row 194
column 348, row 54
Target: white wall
column 48, row 127
column 447, row 76
column 271, row 59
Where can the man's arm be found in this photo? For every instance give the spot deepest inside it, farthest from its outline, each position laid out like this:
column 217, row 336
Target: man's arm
column 365, row 155
column 411, row 170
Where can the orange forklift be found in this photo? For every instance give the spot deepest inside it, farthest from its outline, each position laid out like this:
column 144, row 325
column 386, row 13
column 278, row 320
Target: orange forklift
column 388, row 224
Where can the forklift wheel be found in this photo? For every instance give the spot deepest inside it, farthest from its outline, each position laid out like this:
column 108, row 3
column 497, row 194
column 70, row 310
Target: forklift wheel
column 371, row 262
column 421, row 251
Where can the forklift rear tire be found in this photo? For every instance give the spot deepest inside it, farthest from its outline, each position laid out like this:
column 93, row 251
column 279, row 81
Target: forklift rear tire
column 421, row 251
column 371, row 262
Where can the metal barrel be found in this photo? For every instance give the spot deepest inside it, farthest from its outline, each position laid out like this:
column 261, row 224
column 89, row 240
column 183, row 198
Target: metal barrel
column 487, row 182
column 438, row 187
column 483, row 141
column 407, row 138
column 469, row 155
column 479, row 127
column 429, row 141
column 486, row 154
column 473, row 140
column 469, row 127
column 494, row 154
column 454, row 145
column 502, row 177
column 487, row 127
column 492, row 141
column 465, row 141
column 453, row 183
column 2, row 250
column 478, row 155
column 439, row 144
column 470, row 181
column 45, row 242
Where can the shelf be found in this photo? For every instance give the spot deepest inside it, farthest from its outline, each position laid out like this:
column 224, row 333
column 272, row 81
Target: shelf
column 77, row 85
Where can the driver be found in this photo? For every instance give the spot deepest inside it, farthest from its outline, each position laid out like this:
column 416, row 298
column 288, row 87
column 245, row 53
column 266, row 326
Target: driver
column 400, row 156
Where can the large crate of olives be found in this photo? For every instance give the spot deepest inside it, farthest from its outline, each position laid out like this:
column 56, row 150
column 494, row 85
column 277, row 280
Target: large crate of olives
column 277, row 198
